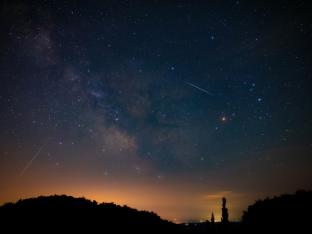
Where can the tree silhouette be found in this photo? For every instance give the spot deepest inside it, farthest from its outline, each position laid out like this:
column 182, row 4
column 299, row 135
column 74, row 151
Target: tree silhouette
column 212, row 218
column 225, row 214
column 212, row 223
column 288, row 213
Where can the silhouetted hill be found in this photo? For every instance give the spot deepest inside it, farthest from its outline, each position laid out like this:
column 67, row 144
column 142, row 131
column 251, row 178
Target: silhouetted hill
column 283, row 214
column 79, row 214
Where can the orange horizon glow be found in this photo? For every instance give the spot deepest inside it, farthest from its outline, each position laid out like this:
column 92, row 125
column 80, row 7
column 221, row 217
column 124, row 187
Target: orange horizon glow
column 169, row 201
column 177, row 198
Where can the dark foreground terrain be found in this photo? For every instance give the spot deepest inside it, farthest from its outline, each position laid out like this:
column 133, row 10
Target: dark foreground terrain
column 59, row 214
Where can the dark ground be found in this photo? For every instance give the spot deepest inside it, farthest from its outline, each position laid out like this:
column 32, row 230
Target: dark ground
column 286, row 213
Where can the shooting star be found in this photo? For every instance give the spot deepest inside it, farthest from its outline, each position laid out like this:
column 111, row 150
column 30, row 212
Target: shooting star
column 33, row 158
column 199, row 88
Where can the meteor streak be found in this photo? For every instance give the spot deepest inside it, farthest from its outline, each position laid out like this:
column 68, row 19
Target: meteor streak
column 199, row 88
column 33, row 158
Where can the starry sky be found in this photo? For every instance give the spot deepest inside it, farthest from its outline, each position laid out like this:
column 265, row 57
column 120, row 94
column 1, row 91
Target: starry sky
column 161, row 105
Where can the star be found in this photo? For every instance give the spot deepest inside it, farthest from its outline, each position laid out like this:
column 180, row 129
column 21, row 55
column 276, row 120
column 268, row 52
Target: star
column 224, row 119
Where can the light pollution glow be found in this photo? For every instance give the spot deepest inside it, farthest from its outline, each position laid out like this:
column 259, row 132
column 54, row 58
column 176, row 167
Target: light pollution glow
column 178, row 198
column 169, row 201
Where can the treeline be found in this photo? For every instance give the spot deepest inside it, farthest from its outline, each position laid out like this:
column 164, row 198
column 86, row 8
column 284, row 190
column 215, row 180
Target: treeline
column 79, row 214
column 283, row 214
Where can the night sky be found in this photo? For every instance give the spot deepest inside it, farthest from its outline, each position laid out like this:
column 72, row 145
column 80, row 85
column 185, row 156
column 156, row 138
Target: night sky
column 161, row 105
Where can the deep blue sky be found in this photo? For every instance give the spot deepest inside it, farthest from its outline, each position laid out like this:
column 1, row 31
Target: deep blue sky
column 201, row 98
